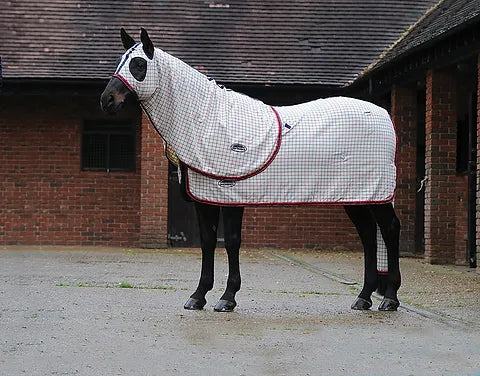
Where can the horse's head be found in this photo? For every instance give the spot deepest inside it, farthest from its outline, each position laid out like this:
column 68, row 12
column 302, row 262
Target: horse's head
column 135, row 76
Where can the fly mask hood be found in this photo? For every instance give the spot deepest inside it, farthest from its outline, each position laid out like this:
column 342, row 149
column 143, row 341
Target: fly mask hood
column 137, row 68
column 212, row 129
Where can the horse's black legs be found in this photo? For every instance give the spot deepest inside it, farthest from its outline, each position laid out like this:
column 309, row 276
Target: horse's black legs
column 390, row 227
column 365, row 219
column 232, row 224
column 366, row 227
column 208, row 222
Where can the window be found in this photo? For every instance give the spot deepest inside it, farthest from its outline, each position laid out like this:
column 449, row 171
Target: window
column 108, row 146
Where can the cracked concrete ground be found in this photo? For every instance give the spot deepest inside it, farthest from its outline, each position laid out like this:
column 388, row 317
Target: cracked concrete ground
column 82, row 311
column 452, row 292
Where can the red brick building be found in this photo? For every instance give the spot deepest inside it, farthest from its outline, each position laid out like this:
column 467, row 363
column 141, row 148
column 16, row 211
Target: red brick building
column 69, row 175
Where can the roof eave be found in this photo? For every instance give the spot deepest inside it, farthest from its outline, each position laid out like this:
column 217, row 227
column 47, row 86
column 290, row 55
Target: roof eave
column 383, row 62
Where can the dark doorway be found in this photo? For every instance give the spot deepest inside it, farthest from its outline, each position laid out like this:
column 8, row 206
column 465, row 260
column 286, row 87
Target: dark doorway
column 182, row 217
column 467, row 147
column 472, row 182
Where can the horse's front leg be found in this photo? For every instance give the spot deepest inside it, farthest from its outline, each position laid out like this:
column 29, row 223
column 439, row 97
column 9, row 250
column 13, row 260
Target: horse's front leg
column 366, row 227
column 232, row 224
column 208, row 224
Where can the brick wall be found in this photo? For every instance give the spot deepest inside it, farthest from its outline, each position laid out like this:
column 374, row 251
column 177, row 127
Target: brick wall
column 154, row 189
column 440, row 163
column 404, row 115
column 44, row 197
column 307, row 227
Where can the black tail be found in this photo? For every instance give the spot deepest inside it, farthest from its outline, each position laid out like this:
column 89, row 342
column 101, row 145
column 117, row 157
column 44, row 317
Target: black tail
column 382, row 283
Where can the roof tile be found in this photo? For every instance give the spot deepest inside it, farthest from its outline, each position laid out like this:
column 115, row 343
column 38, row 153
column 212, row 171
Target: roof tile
column 236, row 41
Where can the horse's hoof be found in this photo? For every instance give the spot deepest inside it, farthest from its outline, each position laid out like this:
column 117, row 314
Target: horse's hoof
column 361, row 304
column 388, row 304
column 195, row 304
column 225, row 306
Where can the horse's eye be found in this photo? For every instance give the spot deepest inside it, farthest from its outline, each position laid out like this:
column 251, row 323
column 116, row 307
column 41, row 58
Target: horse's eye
column 138, row 68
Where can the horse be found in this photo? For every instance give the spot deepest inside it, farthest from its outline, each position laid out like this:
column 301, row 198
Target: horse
column 150, row 77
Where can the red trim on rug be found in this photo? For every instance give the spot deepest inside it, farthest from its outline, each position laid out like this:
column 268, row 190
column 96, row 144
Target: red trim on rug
column 299, row 203
column 395, row 158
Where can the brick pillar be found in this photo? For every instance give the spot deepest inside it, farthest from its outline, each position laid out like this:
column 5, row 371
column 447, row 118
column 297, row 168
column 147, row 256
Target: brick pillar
column 440, row 164
column 404, row 115
column 154, row 189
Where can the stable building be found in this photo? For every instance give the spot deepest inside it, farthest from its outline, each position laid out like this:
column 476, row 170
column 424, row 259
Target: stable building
column 70, row 175
column 429, row 80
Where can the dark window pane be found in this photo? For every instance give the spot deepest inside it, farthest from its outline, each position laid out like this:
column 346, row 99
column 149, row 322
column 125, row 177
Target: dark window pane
column 94, row 153
column 122, row 153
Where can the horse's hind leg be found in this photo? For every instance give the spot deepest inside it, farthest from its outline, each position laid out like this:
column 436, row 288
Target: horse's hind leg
column 366, row 227
column 208, row 223
column 232, row 225
column 390, row 227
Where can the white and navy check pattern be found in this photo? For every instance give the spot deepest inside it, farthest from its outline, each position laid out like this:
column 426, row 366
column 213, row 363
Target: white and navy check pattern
column 333, row 151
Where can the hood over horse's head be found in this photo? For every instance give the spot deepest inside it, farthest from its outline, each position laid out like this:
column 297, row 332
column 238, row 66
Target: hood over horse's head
column 135, row 76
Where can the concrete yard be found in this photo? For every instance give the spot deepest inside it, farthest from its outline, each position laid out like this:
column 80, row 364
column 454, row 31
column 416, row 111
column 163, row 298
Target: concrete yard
column 92, row 311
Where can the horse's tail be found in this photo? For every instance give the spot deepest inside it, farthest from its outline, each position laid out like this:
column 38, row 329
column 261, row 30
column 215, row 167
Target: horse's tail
column 382, row 264
column 382, row 279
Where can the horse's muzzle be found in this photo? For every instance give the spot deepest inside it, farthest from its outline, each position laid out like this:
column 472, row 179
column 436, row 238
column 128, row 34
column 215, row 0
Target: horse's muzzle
column 115, row 96
column 107, row 102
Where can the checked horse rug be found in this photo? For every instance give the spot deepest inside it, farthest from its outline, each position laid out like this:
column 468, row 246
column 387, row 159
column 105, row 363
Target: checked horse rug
column 331, row 151
column 240, row 151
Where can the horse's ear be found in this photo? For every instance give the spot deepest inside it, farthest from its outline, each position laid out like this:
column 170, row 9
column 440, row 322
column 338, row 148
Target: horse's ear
column 148, row 47
column 127, row 40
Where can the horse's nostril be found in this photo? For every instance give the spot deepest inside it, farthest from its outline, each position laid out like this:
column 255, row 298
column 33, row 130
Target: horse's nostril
column 107, row 102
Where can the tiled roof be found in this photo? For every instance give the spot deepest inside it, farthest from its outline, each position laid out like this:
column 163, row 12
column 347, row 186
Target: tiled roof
column 442, row 20
column 326, row 42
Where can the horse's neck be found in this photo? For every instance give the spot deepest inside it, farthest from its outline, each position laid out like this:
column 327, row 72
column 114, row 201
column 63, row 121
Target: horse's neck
column 180, row 101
